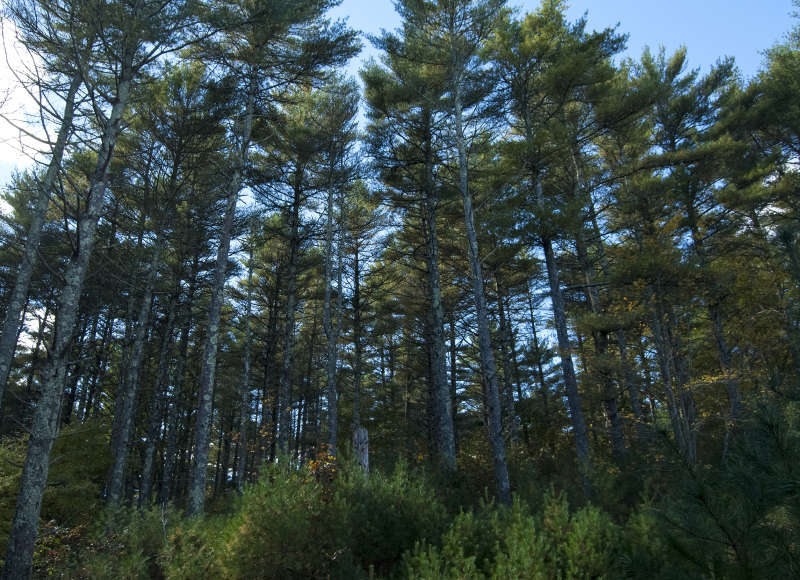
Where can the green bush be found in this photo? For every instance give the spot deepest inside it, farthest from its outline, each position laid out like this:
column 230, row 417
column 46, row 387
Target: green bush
column 497, row 542
column 127, row 543
column 288, row 525
column 79, row 464
column 387, row 515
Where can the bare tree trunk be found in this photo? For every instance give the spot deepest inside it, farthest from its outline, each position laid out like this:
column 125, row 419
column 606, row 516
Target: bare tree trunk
column 174, row 411
column 157, row 405
column 21, row 540
column 284, row 430
column 244, row 397
column 507, row 354
column 202, row 434
column 30, row 255
column 488, row 367
column 128, row 408
column 453, row 379
column 361, row 448
column 332, row 330
column 567, row 368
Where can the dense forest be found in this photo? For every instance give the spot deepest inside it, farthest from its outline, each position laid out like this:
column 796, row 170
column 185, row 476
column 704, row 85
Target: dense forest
column 507, row 306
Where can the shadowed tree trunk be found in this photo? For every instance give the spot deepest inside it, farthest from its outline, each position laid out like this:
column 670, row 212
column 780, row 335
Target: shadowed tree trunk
column 284, row 428
column 244, row 397
column 19, row 554
column 156, row 407
column 30, row 255
column 442, row 404
column 488, row 367
column 121, row 443
column 202, row 433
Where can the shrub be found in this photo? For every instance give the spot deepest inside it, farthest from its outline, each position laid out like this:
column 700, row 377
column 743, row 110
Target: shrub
column 387, row 515
column 497, row 542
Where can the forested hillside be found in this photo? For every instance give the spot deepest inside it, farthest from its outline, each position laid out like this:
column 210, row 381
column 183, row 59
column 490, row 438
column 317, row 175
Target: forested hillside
column 507, row 306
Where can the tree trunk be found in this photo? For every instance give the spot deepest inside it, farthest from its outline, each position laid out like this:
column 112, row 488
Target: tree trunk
column 507, row 354
column 357, row 346
column 361, row 448
column 174, row 411
column 284, row 430
column 442, row 404
column 202, row 434
column 332, row 330
column 121, row 443
column 488, row 367
column 244, row 396
column 567, row 368
column 21, row 540
column 268, row 421
column 30, row 255
column 157, row 405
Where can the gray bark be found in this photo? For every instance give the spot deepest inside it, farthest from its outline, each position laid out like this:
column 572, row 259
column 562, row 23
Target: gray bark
column 24, row 528
column 361, row 448
column 442, row 404
column 488, row 368
column 202, row 434
column 30, row 255
column 332, row 330
column 156, row 406
column 565, row 354
column 244, row 397
column 284, row 430
column 127, row 410
column 567, row 369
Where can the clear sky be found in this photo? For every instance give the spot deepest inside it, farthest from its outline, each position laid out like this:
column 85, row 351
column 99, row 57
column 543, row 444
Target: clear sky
column 710, row 29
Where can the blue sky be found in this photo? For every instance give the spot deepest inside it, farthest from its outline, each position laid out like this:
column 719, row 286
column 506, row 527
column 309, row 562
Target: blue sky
column 710, row 29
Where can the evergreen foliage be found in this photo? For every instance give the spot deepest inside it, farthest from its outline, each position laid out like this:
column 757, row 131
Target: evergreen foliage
column 552, row 296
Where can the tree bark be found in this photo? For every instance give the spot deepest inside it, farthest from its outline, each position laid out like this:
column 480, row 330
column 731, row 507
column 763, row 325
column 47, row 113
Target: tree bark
column 332, row 331
column 284, row 430
column 244, row 395
column 157, row 405
column 128, row 408
column 442, row 403
column 30, row 255
column 488, row 368
column 202, row 434
column 21, row 540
